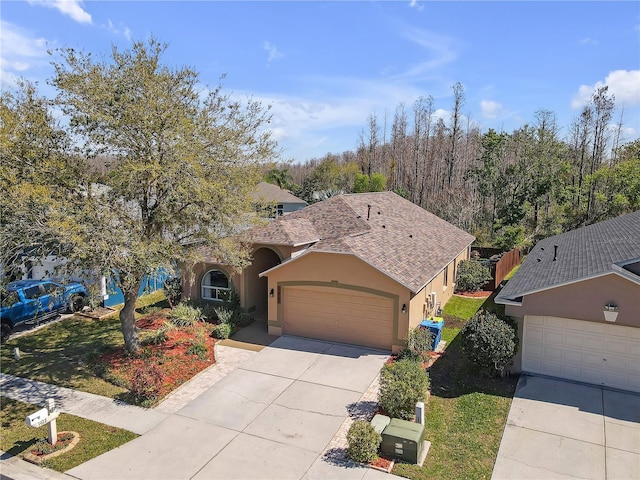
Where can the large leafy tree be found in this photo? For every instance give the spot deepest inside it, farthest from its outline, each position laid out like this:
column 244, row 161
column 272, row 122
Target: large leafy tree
column 185, row 162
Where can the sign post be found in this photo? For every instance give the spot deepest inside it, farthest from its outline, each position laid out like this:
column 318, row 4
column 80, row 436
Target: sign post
column 46, row 415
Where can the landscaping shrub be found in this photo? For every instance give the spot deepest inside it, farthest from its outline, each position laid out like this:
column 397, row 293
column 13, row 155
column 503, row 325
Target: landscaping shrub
column 173, row 291
column 363, row 442
column 402, row 384
column 161, row 335
column 224, row 314
column 472, row 276
column 185, row 315
column 409, row 355
column 222, row 331
column 490, row 342
column 419, row 341
column 146, row 383
column 243, row 319
column 198, row 349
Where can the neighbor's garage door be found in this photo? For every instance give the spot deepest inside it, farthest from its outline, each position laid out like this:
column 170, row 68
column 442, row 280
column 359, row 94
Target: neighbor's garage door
column 338, row 315
column 589, row 352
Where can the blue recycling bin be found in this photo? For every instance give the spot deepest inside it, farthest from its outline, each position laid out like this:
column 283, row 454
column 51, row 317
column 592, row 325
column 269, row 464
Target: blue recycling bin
column 435, row 327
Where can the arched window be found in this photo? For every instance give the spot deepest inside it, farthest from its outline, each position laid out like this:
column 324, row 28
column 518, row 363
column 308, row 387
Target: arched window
column 215, row 285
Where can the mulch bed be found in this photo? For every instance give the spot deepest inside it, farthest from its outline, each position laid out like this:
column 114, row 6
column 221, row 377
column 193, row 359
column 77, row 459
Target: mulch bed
column 479, row 294
column 170, row 357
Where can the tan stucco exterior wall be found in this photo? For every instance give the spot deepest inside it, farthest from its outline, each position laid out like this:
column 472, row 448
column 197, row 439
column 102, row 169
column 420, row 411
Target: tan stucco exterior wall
column 585, row 301
column 192, row 280
column 421, row 305
column 329, row 269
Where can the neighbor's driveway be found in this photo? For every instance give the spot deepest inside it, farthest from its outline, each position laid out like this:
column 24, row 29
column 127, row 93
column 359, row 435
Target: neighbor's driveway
column 558, row 429
column 269, row 419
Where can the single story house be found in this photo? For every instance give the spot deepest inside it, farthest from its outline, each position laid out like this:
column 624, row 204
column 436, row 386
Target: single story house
column 359, row 268
column 279, row 201
column 576, row 299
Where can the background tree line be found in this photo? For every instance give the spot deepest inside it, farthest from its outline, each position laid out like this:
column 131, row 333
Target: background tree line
column 506, row 188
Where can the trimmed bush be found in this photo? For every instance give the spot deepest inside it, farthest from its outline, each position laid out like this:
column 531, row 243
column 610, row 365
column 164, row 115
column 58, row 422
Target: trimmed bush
column 490, row 342
column 221, row 331
column 472, row 276
column 419, row 341
column 402, row 384
column 363, row 442
column 409, row 355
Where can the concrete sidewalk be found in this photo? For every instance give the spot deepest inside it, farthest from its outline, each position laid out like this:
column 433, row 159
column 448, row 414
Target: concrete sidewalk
column 108, row 411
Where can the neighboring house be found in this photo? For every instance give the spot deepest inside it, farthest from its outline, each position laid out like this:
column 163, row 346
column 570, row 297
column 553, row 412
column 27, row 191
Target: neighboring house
column 280, row 202
column 105, row 287
column 359, row 269
column 576, row 298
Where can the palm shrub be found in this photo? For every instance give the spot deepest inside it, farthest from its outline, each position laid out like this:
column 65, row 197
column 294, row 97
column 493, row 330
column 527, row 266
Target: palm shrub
column 185, row 315
column 472, row 275
column 224, row 314
column 363, row 442
column 490, row 342
column 402, row 384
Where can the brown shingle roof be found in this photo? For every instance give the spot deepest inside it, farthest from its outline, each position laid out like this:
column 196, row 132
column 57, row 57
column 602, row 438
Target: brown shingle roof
column 393, row 235
column 269, row 193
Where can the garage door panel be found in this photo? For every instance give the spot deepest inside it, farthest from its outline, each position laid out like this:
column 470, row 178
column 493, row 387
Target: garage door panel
column 333, row 314
column 603, row 354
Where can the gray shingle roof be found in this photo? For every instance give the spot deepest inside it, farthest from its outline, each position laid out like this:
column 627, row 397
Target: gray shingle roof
column 393, row 235
column 582, row 253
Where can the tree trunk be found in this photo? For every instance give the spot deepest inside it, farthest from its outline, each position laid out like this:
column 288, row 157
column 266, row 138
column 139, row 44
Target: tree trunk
column 128, row 319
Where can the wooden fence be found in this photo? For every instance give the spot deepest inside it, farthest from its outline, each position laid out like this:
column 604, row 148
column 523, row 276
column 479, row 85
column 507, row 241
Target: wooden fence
column 500, row 264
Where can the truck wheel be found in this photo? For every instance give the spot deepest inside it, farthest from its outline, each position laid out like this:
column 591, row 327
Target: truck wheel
column 76, row 304
column 5, row 331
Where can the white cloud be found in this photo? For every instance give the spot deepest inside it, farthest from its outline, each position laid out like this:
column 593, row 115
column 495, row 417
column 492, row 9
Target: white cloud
column 18, row 52
column 72, row 8
column 589, row 41
column 490, row 109
column 118, row 30
column 415, row 4
column 440, row 49
column 624, row 84
column 273, row 53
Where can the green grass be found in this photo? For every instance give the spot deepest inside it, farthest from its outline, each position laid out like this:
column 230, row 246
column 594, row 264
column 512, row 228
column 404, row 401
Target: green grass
column 60, row 353
column 466, row 413
column 95, row 438
column 462, row 307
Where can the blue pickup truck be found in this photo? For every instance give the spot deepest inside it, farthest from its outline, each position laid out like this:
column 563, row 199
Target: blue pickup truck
column 25, row 301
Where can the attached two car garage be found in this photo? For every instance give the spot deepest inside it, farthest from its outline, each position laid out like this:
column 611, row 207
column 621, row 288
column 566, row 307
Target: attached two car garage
column 338, row 314
column 598, row 353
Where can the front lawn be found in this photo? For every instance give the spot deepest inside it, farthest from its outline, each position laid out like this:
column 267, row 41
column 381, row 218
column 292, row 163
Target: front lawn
column 95, row 438
column 87, row 354
column 466, row 413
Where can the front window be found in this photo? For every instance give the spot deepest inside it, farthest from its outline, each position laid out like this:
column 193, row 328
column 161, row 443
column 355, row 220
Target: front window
column 215, row 285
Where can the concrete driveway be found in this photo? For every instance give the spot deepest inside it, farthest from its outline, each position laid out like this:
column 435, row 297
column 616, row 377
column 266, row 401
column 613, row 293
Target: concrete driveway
column 271, row 418
column 558, row 429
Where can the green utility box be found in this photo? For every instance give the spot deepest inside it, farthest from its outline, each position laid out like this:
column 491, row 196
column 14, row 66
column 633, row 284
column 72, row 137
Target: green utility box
column 403, row 440
column 380, row 422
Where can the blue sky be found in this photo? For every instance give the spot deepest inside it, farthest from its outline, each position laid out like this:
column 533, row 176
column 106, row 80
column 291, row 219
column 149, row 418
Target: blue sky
column 324, row 67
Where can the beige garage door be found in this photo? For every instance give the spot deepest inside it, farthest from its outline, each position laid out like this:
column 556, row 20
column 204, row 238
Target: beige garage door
column 598, row 353
column 338, row 315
